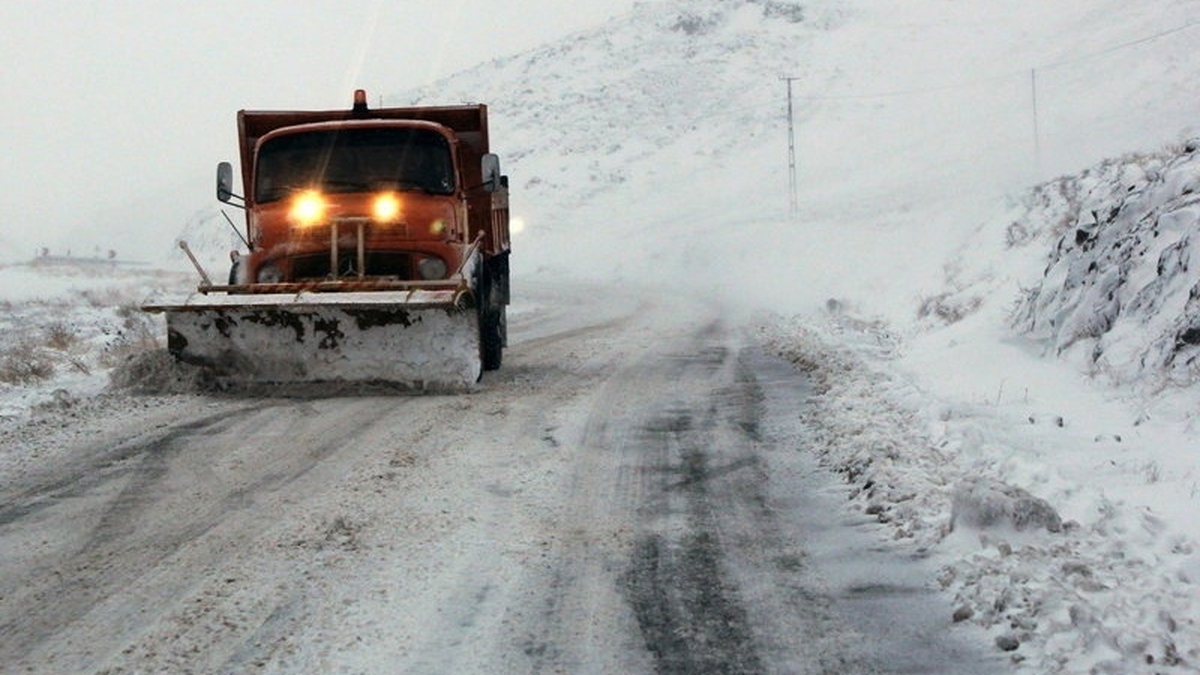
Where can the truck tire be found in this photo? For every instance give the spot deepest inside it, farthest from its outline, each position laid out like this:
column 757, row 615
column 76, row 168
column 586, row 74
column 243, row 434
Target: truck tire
column 491, row 337
column 491, row 321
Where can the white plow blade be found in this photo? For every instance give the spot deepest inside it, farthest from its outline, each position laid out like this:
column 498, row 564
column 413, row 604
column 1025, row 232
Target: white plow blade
column 420, row 340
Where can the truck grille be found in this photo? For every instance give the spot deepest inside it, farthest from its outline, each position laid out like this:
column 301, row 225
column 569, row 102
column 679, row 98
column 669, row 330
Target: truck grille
column 398, row 266
column 348, row 227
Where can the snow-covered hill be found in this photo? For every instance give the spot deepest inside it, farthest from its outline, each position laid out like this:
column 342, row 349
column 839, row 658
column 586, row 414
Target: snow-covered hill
column 655, row 147
column 628, row 142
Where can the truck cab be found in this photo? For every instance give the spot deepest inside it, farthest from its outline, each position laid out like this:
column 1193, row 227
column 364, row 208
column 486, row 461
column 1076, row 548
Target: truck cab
column 393, row 194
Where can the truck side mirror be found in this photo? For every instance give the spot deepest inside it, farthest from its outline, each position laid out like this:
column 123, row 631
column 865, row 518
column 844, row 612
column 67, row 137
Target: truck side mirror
column 224, row 181
column 492, row 180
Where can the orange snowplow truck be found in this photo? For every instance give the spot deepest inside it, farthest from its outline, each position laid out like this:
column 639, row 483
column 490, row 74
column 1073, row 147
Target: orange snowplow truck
column 378, row 251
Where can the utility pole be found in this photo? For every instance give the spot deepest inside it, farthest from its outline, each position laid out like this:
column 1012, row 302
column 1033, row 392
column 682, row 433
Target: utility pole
column 794, row 204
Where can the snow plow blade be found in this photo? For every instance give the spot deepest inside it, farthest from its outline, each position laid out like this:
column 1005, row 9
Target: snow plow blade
column 418, row 339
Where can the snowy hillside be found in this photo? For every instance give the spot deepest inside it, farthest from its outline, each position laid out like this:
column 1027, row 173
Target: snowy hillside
column 1003, row 361
column 652, row 146
column 622, row 139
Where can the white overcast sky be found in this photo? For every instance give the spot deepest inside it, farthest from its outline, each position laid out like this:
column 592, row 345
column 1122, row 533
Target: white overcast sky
column 104, row 100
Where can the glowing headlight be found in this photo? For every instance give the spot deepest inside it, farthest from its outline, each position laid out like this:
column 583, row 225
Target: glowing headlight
column 386, row 208
column 270, row 274
column 308, row 208
column 431, row 269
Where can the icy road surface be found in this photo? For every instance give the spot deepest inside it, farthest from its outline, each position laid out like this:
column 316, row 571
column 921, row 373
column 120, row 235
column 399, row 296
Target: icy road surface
column 628, row 495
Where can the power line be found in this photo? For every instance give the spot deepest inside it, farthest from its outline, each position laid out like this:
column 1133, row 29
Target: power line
column 1124, row 45
column 983, row 80
column 1033, row 85
column 907, row 92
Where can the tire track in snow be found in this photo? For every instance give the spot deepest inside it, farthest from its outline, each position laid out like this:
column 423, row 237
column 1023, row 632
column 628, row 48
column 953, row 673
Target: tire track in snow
column 134, row 508
column 716, row 582
column 689, row 612
column 107, row 465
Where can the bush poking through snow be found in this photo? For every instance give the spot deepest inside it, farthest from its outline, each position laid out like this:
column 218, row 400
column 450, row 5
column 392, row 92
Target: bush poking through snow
column 60, row 336
column 25, row 363
column 949, row 307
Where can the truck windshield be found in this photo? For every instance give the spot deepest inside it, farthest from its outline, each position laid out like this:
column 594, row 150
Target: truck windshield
column 354, row 160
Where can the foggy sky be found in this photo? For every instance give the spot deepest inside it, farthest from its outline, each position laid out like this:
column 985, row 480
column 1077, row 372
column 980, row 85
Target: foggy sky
column 108, row 104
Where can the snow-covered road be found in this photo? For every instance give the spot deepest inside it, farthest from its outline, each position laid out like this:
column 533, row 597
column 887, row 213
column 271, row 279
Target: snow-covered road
column 626, row 495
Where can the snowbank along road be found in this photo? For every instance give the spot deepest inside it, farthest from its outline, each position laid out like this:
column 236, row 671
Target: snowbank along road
column 629, row 494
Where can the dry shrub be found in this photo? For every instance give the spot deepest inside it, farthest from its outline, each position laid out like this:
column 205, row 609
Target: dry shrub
column 25, row 363
column 949, row 307
column 60, row 336
column 138, row 334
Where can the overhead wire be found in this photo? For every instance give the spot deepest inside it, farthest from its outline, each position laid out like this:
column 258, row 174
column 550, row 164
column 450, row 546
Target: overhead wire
column 983, row 80
column 1118, row 47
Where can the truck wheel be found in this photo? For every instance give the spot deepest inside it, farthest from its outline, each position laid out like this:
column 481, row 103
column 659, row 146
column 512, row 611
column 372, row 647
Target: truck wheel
column 491, row 323
column 491, row 337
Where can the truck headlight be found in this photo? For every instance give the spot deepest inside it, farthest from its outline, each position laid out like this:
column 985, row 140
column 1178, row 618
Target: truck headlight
column 386, row 208
column 431, row 269
column 308, row 208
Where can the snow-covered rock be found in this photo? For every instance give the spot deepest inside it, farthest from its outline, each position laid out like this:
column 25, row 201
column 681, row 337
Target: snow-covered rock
column 1121, row 288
